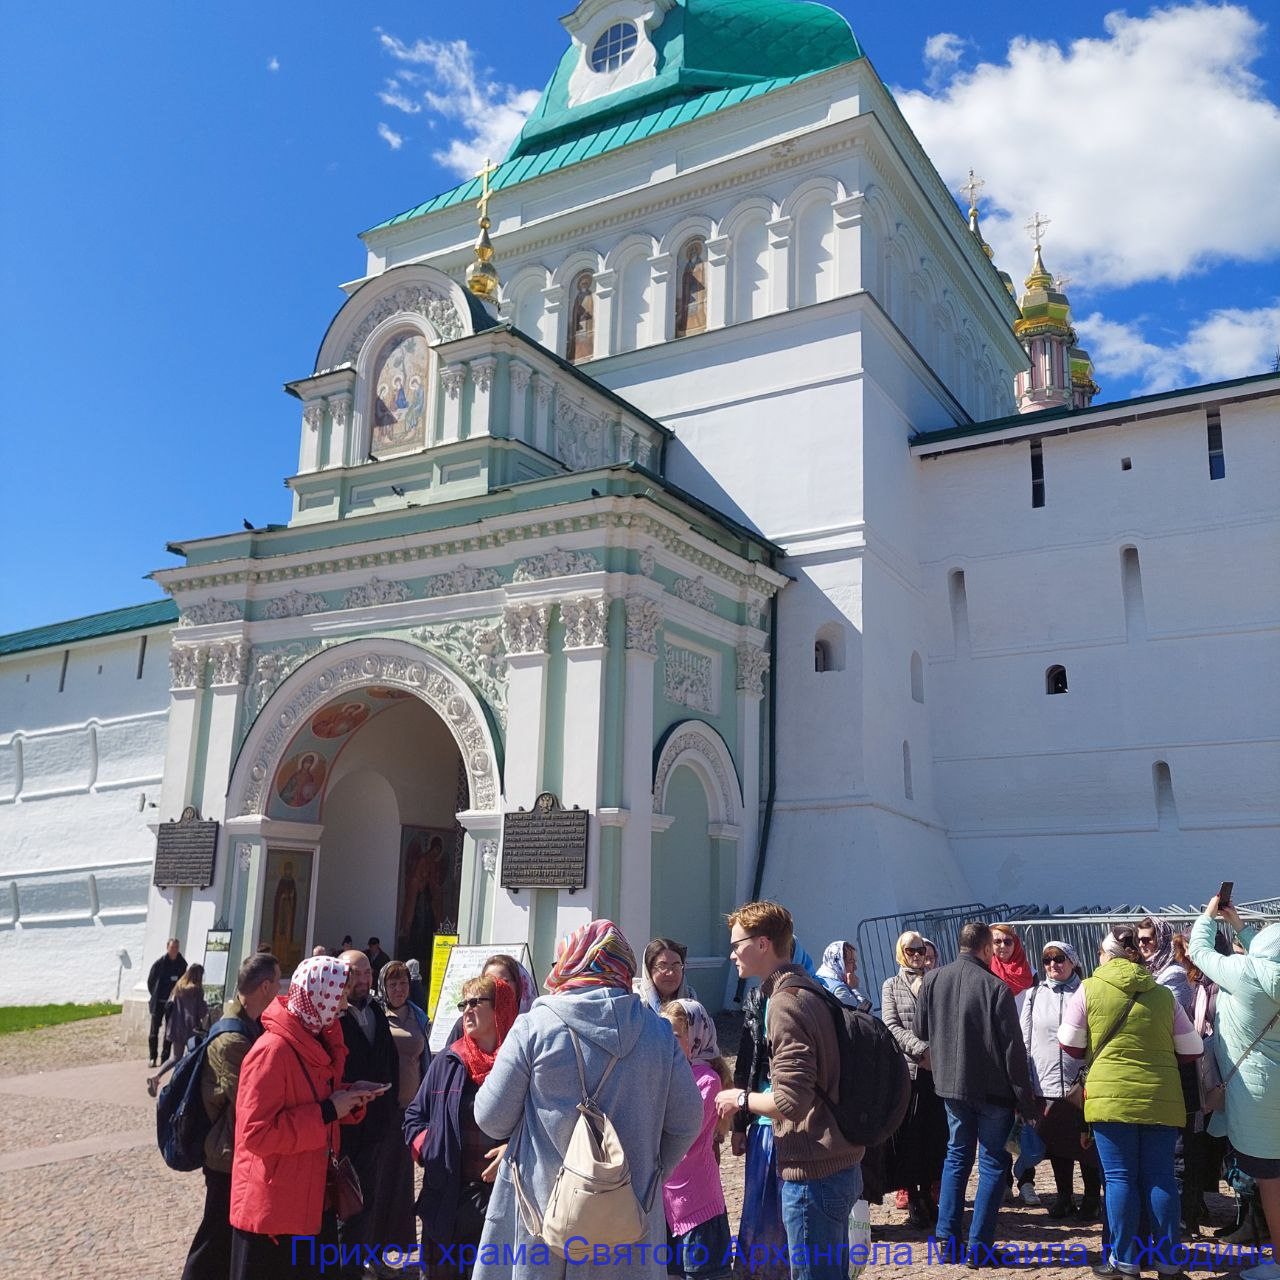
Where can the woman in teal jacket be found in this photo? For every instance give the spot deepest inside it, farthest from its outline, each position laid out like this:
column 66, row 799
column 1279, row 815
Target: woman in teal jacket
column 1248, row 1008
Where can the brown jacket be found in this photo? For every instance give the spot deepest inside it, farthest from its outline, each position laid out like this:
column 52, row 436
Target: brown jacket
column 804, row 1057
column 219, row 1079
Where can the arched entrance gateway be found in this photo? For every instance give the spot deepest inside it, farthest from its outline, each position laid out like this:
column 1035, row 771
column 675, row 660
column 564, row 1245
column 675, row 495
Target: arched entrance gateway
column 359, row 793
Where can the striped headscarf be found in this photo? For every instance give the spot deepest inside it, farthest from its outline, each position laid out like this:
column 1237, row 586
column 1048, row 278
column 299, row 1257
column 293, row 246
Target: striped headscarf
column 596, row 955
column 703, row 1044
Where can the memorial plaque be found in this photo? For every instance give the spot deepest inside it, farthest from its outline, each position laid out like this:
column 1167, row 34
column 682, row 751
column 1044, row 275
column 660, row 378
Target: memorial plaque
column 184, row 852
column 545, row 848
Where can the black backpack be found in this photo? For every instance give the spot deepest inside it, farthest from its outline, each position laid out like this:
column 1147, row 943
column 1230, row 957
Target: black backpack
column 182, row 1123
column 875, row 1086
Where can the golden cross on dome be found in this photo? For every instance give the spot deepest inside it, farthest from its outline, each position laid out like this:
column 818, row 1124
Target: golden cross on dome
column 487, row 194
column 1036, row 226
column 971, row 189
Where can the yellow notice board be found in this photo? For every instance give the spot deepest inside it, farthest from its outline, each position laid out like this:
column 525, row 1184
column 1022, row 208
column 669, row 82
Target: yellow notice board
column 444, row 943
column 464, row 962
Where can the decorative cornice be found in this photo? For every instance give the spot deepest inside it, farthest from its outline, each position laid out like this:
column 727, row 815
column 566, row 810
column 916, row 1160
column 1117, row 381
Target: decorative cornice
column 212, row 610
column 434, row 306
column 441, row 690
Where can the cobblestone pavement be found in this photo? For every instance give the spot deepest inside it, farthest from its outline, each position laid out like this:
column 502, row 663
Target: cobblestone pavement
column 84, row 1191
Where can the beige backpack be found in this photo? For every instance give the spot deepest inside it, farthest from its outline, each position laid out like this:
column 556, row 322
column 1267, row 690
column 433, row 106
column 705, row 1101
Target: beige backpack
column 592, row 1199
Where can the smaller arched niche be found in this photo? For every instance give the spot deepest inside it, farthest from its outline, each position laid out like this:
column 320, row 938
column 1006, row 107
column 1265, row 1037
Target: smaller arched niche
column 398, row 393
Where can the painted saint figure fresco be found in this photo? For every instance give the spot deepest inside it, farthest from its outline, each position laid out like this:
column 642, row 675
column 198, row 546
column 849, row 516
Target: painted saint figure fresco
column 400, row 375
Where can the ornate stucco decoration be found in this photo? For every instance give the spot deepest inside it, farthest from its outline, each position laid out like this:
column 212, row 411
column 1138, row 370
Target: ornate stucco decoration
column 212, row 610
column 524, row 628
column 313, row 415
column 461, row 580
column 556, row 564
column 644, row 617
column 580, row 436
column 374, row 592
column 229, row 660
column 295, row 604
column 694, row 591
column 270, row 667
column 688, row 679
column 476, row 648
column 755, row 611
column 489, row 855
column 340, row 408
column 482, row 371
column 519, row 375
column 187, row 666
column 712, row 752
column 648, row 562
column 244, row 855
column 453, row 378
column 435, row 306
column 443, row 692
column 753, row 662
column 586, row 621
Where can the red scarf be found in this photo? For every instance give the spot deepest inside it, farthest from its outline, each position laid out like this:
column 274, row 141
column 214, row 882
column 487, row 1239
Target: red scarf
column 477, row 1062
column 1015, row 973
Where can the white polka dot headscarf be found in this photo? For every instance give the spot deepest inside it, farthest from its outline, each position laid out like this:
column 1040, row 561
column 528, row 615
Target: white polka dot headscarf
column 315, row 990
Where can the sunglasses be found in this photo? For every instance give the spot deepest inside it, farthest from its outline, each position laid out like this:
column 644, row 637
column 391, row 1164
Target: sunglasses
column 472, row 1003
column 1002, row 942
column 915, row 951
column 1053, row 959
column 733, row 946
column 1146, row 940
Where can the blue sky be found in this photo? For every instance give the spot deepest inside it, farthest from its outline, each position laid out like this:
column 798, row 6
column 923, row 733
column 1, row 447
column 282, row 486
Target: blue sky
column 183, row 186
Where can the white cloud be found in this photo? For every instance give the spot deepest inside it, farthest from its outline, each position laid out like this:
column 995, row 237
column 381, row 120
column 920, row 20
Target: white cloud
column 1154, row 148
column 942, row 54
column 486, row 113
column 1229, row 343
column 273, row 63
column 393, row 139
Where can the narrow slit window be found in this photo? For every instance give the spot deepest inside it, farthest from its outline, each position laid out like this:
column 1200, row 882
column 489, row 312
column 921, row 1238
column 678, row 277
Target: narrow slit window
column 959, row 609
column 142, row 655
column 821, row 656
column 1217, row 459
column 908, row 790
column 1037, row 474
column 62, row 675
column 1055, row 680
column 917, row 678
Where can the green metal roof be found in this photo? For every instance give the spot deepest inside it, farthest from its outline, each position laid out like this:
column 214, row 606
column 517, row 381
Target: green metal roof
column 711, row 54
column 135, row 617
column 1058, row 420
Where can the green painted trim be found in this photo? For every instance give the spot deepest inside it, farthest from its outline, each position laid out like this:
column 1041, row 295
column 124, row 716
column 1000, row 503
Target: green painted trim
column 553, row 718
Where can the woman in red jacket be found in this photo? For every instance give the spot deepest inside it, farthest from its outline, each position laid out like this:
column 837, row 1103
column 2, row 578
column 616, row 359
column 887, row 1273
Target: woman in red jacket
column 288, row 1110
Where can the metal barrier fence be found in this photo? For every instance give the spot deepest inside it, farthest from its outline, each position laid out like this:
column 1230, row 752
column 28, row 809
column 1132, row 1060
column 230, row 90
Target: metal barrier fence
column 878, row 935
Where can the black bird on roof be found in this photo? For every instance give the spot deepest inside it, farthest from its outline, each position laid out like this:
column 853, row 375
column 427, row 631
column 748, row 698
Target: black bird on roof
column 397, row 490
column 248, row 524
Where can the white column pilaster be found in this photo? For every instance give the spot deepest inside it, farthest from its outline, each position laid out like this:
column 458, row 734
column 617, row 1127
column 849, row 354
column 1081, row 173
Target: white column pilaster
column 543, row 386
column 340, row 448
column 780, row 264
column 453, row 381
column 312, row 426
column 480, row 420
column 553, row 319
column 606, row 292
column 752, row 663
column 518, row 425
column 662, row 314
column 850, row 266
column 718, row 282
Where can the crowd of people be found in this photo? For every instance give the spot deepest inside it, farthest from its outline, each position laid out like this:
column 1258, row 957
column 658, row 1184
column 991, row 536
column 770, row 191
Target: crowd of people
column 325, row 1098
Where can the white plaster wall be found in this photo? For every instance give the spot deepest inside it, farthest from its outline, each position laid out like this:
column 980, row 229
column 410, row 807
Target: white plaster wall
column 79, row 773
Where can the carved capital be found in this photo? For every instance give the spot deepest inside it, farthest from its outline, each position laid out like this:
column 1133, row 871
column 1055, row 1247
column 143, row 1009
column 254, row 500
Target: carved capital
column 452, row 378
column 543, row 386
column 586, row 621
column 752, row 665
column 644, row 617
column 524, row 628
column 229, row 660
column 482, row 373
column 488, row 855
column 187, row 666
column 313, row 415
column 340, row 409
column 520, row 375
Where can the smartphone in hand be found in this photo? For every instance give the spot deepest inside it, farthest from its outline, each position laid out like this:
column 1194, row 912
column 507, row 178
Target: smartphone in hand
column 367, row 1086
column 1225, row 891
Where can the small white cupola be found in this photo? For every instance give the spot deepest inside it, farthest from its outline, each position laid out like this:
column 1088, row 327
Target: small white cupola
column 614, row 43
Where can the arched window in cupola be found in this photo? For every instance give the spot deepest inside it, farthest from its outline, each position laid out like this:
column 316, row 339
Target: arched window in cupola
column 400, row 376
column 581, row 344
column 691, row 290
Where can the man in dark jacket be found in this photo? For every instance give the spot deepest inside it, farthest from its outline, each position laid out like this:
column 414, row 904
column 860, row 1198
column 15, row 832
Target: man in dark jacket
column 160, row 982
column 371, row 1056
column 968, row 1018
column 257, row 983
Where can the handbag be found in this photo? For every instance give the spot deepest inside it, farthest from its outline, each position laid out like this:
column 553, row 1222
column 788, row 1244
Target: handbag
column 1213, row 1084
column 1064, row 1121
column 343, row 1194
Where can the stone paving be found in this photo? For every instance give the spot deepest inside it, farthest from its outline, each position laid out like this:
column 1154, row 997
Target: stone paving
column 83, row 1190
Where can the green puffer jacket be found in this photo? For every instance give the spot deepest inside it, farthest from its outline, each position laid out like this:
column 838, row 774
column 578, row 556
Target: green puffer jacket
column 1135, row 1079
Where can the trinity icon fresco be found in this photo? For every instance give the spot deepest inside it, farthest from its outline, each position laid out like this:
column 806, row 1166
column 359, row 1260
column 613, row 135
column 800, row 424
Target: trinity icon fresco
column 400, row 396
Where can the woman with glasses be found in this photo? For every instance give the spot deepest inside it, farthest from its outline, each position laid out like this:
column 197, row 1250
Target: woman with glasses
column 913, row 1161
column 1009, row 960
column 1132, row 1033
column 1054, row 1073
column 662, row 974
column 1155, row 946
column 459, row 1160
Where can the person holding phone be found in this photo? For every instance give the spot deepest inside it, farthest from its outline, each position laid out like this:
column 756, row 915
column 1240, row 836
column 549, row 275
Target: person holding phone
column 1246, row 1042
column 289, row 1109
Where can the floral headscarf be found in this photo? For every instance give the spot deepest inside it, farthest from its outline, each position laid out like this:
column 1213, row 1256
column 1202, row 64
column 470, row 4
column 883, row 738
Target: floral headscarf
column 1016, row 972
column 478, row 1061
column 703, row 1044
column 833, row 959
column 1073, row 956
column 315, row 991
column 595, row 955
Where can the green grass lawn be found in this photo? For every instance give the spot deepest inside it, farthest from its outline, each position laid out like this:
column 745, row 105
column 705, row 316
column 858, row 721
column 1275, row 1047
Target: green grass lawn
column 29, row 1017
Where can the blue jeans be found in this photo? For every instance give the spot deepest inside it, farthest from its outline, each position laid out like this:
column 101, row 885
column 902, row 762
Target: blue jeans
column 1030, row 1152
column 816, row 1216
column 986, row 1127
column 1137, row 1161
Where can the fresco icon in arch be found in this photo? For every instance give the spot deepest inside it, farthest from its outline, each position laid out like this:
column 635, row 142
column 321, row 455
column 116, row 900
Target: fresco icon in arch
column 400, row 395
column 339, row 719
column 301, row 779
